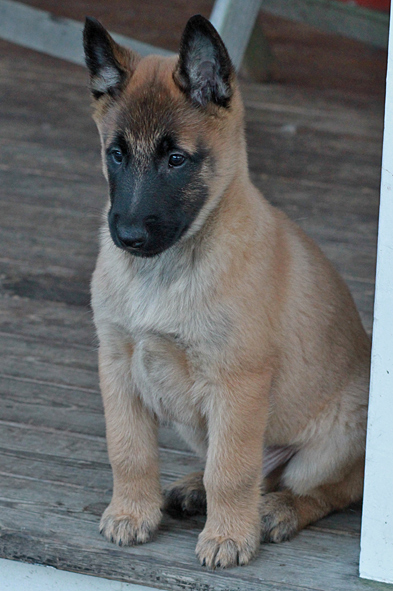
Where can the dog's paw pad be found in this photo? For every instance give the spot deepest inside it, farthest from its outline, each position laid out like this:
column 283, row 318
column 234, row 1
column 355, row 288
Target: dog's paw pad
column 279, row 521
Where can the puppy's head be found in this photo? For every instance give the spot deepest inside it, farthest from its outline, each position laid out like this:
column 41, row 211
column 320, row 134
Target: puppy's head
column 171, row 132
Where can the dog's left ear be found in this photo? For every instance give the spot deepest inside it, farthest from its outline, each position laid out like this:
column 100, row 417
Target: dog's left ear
column 204, row 71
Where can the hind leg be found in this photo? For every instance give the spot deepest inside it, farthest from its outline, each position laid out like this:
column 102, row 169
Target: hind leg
column 324, row 475
column 186, row 497
column 285, row 513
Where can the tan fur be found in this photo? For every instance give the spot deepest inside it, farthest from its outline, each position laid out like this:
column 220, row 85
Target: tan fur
column 242, row 334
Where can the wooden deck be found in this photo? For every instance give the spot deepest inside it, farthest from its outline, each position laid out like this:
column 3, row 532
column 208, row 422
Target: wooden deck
column 316, row 154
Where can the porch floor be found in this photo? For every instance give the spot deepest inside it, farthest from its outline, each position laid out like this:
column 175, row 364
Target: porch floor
column 316, row 154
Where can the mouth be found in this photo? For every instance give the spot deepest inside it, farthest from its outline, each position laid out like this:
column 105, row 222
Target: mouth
column 143, row 253
column 154, row 246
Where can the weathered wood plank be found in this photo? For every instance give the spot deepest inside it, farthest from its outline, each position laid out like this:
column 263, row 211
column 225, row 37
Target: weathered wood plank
column 331, row 168
column 16, row 62
column 317, row 100
column 56, row 191
column 35, row 358
column 72, row 524
column 69, row 325
column 35, row 403
column 317, row 197
column 65, row 286
column 72, row 459
column 43, row 404
column 353, row 121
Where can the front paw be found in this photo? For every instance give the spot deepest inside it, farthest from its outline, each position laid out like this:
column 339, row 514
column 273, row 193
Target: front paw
column 129, row 528
column 226, row 551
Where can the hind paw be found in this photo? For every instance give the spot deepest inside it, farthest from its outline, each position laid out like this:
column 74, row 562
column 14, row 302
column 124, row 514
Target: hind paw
column 186, row 497
column 279, row 520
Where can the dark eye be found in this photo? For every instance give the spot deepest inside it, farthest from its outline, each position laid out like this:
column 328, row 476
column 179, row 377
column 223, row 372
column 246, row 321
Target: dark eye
column 176, row 160
column 117, row 156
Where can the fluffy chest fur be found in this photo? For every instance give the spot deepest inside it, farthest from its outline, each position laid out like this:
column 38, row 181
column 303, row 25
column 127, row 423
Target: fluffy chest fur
column 178, row 331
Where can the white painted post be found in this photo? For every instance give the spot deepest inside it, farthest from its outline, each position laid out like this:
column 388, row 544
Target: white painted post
column 57, row 36
column 234, row 20
column 376, row 557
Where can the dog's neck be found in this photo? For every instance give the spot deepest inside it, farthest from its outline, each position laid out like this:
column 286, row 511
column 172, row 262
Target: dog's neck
column 211, row 241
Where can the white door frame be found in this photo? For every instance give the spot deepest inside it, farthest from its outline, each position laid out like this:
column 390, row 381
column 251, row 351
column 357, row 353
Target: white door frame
column 376, row 557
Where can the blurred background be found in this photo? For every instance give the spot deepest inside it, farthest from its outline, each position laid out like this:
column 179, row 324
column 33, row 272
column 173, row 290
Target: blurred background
column 302, row 55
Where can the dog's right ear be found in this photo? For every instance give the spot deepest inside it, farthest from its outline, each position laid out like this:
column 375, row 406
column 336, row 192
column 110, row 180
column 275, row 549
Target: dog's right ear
column 109, row 64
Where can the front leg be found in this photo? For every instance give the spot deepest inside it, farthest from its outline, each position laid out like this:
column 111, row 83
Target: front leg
column 131, row 430
column 236, row 422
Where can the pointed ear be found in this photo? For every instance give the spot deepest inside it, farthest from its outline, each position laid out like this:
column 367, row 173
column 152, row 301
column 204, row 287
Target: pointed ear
column 204, row 71
column 109, row 64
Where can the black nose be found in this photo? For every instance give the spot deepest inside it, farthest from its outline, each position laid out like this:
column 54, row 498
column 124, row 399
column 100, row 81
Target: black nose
column 132, row 236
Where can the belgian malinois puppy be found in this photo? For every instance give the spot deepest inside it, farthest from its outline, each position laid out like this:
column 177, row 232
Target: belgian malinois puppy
column 215, row 312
